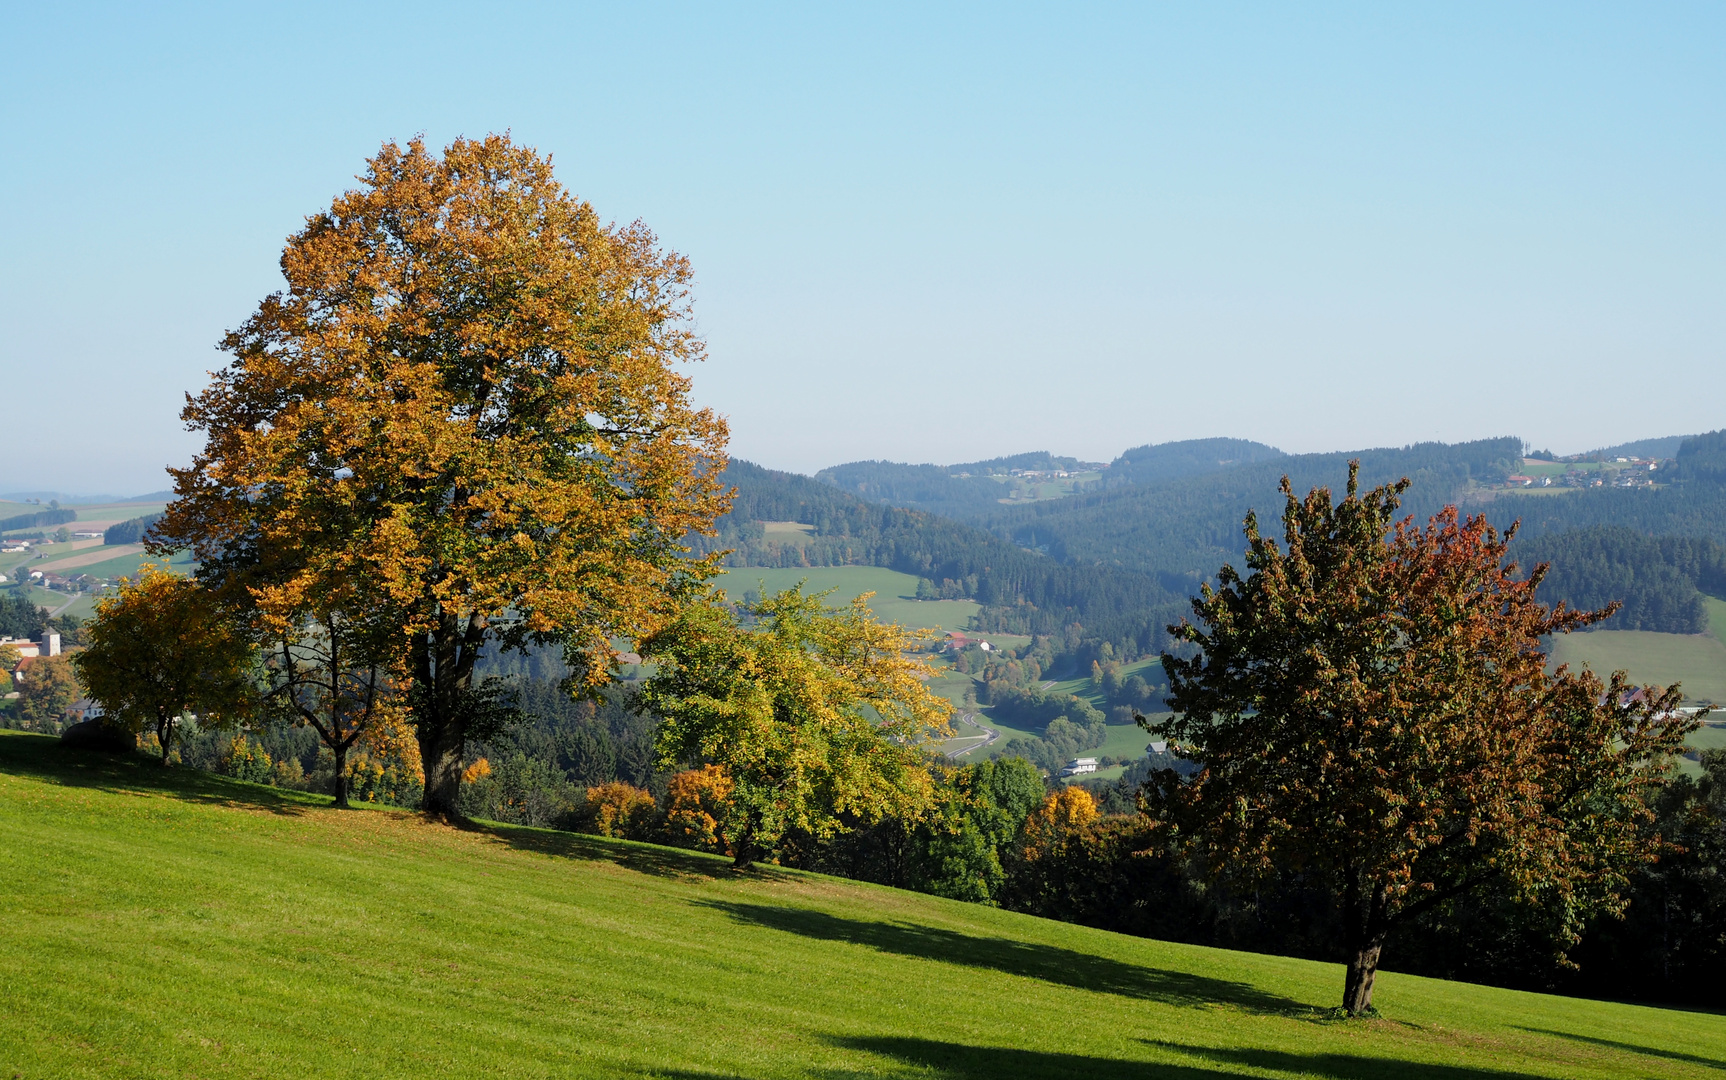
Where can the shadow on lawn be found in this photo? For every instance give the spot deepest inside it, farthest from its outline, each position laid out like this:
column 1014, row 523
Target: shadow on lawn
column 1632, row 1048
column 641, row 858
column 1066, row 967
column 957, row 1061
column 1339, row 1066
column 44, row 757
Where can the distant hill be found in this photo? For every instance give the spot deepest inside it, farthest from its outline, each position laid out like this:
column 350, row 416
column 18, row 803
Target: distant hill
column 1180, row 531
column 1690, row 500
column 963, row 492
column 971, row 491
column 1663, row 447
column 1191, row 457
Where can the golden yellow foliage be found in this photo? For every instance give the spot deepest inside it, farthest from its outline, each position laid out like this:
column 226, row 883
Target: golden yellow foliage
column 479, row 770
column 462, row 423
column 618, row 809
column 697, row 804
column 1061, row 817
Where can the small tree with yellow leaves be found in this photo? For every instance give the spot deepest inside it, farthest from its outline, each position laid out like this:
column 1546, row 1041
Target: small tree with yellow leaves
column 813, row 713
column 162, row 649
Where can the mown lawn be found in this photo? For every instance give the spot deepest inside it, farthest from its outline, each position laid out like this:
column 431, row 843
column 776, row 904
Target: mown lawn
column 180, row 925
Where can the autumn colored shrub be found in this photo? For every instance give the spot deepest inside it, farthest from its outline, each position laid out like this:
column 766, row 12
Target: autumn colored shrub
column 696, row 804
column 617, row 809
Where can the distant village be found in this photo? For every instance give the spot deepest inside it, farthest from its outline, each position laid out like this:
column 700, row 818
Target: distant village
column 1624, row 472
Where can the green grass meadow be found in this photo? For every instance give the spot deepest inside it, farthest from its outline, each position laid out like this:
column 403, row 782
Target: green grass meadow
column 1696, row 660
column 174, row 924
column 895, row 598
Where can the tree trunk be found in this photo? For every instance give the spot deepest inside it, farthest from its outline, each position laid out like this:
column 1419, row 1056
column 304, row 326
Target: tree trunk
column 743, row 851
column 1368, row 925
column 164, row 735
column 440, row 756
column 1362, row 970
column 443, row 666
column 341, row 756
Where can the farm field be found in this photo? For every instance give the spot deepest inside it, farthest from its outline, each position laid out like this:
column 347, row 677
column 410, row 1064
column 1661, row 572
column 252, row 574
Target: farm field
column 894, row 600
column 1696, row 660
column 170, row 924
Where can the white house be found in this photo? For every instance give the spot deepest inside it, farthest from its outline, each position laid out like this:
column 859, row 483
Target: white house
column 1080, row 765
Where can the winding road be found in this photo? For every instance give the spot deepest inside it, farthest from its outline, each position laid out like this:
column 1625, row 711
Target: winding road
column 971, row 719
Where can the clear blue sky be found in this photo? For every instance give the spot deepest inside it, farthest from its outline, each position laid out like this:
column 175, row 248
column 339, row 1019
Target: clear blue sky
column 928, row 234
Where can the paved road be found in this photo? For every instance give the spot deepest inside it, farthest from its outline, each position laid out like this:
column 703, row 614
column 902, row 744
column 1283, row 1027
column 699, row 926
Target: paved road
column 989, row 734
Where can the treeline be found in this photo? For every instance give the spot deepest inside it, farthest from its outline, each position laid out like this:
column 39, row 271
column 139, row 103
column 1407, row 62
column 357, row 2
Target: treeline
column 19, row 618
column 935, row 489
column 965, row 492
column 1020, row 591
column 1659, row 580
column 55, row 516
column 1180, row 531
column 1190, row 457
column 130, row 532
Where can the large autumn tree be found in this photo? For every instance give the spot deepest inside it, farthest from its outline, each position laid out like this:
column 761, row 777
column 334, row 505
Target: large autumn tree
column 468, row 400
column 813, row 715
column 1371, row 705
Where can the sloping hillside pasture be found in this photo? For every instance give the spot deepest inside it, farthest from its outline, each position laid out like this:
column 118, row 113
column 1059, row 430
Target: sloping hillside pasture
column 895, row 598
column 173, row 924
column 1696, row 660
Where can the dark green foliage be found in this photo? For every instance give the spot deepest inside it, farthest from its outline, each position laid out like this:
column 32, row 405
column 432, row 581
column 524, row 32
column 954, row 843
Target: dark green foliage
column 1020, row 591
column 19, row 618
column 130, row 532
column 1659, row 581
column 56, row 516
column 1671, row 945
column 523, row 791
column 958, row 852
column 1702, row 459
column 1180, row 530
column 1191, row 457
column 584, row 742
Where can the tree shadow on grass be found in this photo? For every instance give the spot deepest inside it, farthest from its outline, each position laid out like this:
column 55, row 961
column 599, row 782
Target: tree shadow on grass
column 653, row 859
column 1337, row 1066
column 1064, row 967
column 1632, row 1048
column 43, row 757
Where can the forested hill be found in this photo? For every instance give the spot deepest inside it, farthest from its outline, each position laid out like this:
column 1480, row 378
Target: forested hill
column 974, row 490
column 1190, row 457
column 1021, row 592
column 1659, row 580
column 1181, row 530
column 963, row 492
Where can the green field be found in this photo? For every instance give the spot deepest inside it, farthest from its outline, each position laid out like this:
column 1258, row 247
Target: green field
column 1696, row 660
column 175, row 924
column 895, row 593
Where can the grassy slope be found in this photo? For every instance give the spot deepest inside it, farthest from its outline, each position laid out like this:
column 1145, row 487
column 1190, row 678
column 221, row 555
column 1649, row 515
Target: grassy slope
column 894, row 600
column 182, row 925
